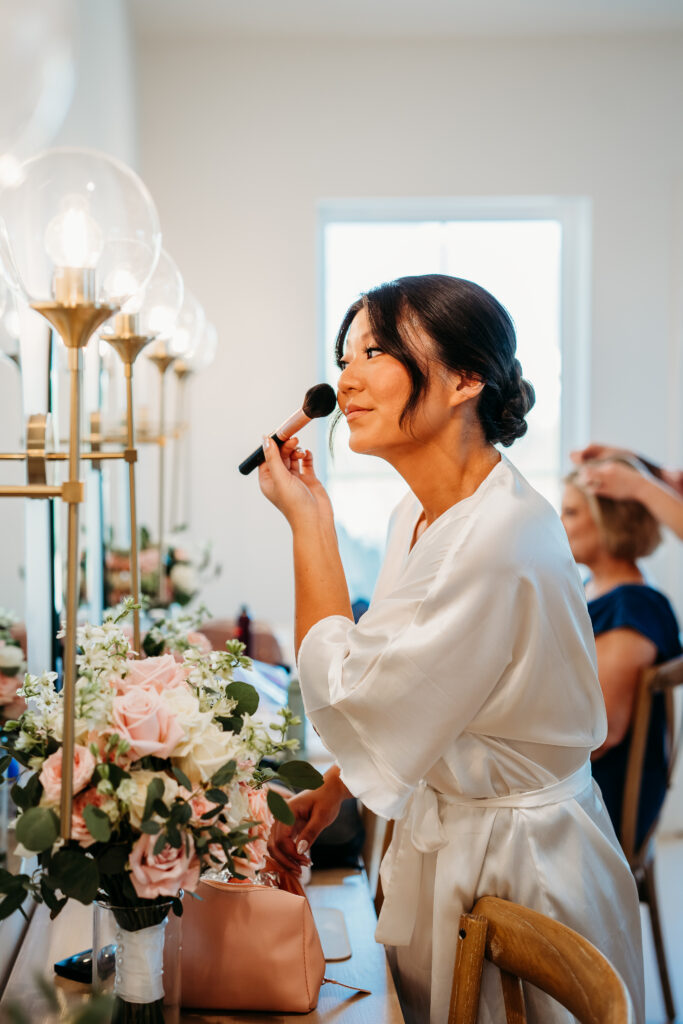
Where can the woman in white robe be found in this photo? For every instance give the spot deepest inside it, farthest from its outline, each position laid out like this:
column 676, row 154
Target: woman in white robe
column 465, row 703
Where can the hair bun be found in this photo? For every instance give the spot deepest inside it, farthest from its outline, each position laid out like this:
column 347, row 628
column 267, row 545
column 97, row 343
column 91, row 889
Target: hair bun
column 505, row 408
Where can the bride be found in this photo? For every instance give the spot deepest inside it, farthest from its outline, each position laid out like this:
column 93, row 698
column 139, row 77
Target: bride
column 465, row 703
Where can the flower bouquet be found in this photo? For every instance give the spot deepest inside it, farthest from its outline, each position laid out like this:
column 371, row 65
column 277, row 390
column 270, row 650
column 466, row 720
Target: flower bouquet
column 12, row 668
column 183, row 572
column 167, row 785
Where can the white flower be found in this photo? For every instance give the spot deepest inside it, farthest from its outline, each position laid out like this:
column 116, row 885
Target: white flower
column 11, row 657
column 137, row 788
column 184, row 578
column 193, row 721
column 238, row 810
column 214, row 749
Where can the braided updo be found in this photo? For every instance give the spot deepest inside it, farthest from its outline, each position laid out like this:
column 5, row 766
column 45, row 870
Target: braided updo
column 472, row 333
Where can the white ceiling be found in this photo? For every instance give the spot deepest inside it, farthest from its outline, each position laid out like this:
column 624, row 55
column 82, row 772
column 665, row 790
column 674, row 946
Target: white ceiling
column 403, row 18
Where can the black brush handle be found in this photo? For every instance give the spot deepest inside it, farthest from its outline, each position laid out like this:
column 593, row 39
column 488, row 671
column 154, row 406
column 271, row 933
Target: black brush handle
column 257, row 457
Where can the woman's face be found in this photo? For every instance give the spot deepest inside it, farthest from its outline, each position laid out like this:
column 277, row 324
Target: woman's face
column 373, row 390
column 585, row 538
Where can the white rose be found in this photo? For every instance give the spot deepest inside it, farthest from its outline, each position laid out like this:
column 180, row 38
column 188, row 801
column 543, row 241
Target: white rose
column 11, row 657
column 137, row 797
column 184, row 578
column 213, row 749
column 238, row 809
column 184, row 705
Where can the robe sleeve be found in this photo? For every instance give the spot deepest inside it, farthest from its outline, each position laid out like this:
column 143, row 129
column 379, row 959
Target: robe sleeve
column 390, row 694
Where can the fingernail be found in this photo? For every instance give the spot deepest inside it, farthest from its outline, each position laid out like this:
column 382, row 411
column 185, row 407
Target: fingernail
column 301, row 846
column 266, row 441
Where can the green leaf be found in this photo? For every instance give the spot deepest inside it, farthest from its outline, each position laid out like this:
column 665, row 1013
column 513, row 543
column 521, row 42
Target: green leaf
column 114, row 773
column 53, row 904
column 246, row 696
column 300, row 775
column 28, row 795
column 16, row 1014
column 151, row 827
column 37, row 828
column 11, row 902
column 48, row 992
column 112, row 861
column 97, row 822
column 98, row 1010
column 77, row 874
column 177, row 906
column 279, row 808
column 160, row 808
column 155, row 791
column 217, row 796
column 160, row 844
column 5, row 763
column 182, row 778
column 225, row 774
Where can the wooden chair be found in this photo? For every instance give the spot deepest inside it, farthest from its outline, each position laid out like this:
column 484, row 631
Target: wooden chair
column 659, row 679
column 528, row 946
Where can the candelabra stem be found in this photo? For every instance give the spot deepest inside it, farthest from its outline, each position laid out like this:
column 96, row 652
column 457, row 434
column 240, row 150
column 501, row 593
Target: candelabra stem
column 130, row 458
column 178, row 452
column 162, row 482
column 74, row 495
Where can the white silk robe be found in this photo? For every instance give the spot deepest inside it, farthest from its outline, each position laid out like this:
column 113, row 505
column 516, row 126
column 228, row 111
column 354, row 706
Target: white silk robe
column 465, row 703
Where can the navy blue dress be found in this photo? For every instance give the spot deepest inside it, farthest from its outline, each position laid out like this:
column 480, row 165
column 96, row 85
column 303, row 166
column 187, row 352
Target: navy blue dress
column 640, row 608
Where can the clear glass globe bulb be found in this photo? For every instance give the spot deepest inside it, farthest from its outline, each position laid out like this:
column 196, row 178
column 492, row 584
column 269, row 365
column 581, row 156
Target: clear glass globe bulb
column 78, row 212
column 156, row 306
column 189, row 327
column 204, row 352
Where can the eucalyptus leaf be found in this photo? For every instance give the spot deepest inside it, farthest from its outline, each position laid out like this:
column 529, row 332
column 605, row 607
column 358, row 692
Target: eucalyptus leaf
column 97, row 823
column 11, row 902
column 279, row 808
column 28, row 795
column 151, row 827
column 217, row 796
column 246, row 696
column 37, row 828
column 76, row 874
column 300, row 775
column 225, row 774
column 155, row 790
column 182, row 778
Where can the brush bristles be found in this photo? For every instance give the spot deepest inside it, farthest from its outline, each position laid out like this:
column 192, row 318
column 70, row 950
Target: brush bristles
column 320, row 400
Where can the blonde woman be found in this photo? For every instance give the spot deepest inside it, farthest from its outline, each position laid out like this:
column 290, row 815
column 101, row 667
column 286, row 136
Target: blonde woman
column 634, row 626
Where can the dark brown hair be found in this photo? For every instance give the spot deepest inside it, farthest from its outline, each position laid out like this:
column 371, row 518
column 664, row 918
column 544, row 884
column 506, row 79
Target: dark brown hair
column 473, row 334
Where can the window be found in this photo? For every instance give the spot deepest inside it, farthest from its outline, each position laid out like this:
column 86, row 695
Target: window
column 532, row 256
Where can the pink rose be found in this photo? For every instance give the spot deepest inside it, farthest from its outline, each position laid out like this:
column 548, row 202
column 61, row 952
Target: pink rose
column 79, row 829
column 159, row 673
column 260, row 812
column 200, row 805
column 149, row 560
column 8, row 688
column 165, row 873
column 140, row 716
column 253, row 859
column 51, row 773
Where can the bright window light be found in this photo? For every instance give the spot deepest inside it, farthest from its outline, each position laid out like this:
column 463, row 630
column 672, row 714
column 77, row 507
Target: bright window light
column 519, row 262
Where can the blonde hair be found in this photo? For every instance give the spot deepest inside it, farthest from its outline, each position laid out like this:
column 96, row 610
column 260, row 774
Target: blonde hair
column 628, row 529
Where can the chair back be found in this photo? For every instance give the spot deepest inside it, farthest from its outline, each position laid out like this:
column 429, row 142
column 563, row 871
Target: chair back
column 530, row 947
column 658, row 679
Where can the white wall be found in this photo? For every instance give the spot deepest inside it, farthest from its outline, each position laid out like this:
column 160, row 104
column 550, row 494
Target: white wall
column 241, row 138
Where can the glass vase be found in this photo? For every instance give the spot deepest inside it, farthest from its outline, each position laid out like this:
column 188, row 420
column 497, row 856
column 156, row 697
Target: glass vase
column 136, row 956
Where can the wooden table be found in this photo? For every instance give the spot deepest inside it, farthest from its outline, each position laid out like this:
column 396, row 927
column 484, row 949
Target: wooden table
column 45, row 942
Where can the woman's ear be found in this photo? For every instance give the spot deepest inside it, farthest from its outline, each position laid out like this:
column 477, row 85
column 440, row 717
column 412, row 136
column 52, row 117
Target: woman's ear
column 466, row 387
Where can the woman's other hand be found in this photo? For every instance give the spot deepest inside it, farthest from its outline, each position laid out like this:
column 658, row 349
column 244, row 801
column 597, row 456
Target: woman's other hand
column 287, row 478
column 313, row 810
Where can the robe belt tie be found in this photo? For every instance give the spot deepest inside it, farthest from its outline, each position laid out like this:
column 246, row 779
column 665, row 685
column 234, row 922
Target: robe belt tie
column 424, row 832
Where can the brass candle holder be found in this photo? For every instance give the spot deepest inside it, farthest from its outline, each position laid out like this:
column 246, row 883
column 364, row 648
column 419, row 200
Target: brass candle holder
column 182, row 373
column 128, row 343
column 162, row 360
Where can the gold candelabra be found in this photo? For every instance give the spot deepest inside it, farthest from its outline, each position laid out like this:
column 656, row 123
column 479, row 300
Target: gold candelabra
column 162, row 360
column 75, row 315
